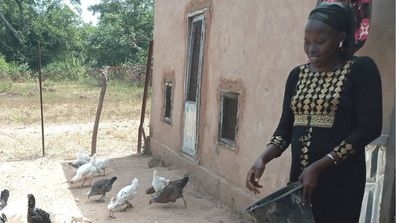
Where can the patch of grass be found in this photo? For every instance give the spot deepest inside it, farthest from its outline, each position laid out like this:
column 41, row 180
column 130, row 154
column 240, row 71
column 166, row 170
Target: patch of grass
column 5, row 86
column 68, row 102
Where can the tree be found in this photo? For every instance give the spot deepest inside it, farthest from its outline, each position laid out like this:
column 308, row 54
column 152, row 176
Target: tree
column 52, row 23
column 123, row 33
column 121, row 36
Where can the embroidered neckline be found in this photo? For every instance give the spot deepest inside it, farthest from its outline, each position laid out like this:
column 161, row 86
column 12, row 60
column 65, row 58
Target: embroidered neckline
column 317, row 96
column 345, row 66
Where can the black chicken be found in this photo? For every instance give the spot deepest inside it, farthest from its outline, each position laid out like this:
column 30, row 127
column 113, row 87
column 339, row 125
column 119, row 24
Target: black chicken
column 3, row 218
column 101, row 187
column 171, row 192
column 4, row 198
column 36, row 215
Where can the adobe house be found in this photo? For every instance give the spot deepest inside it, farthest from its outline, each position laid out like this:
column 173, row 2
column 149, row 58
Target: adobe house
column 219, row 73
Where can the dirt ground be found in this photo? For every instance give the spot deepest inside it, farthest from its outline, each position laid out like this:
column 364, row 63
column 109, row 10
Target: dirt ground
column 46, row 177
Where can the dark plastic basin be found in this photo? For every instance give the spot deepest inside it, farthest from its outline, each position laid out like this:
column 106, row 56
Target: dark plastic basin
column 282, row 206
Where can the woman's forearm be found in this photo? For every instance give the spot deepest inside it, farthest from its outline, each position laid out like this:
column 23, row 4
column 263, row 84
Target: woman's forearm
column 272, row 151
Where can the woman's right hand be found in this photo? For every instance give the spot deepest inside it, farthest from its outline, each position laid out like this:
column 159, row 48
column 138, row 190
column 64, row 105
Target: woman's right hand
column 254, row 174
column 256, row 171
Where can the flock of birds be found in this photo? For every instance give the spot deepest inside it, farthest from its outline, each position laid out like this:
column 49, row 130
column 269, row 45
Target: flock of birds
column 162, row 190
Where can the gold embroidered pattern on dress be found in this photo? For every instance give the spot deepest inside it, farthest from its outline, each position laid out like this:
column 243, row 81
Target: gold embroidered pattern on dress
column 279, row 141
column 343, row 150
column 317, row 96
column 306, row 142
column 325, row 121
column 315, row 104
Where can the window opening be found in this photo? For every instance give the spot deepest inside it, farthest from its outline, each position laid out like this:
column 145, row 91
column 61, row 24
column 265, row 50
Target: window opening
column 168, row 101
column 229, row 117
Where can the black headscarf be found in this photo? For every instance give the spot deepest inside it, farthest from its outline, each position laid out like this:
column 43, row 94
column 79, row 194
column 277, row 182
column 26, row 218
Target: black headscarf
column 338, row 16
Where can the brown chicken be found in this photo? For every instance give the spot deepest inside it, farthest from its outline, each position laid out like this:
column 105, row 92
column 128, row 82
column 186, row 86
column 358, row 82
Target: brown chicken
column 171, row 192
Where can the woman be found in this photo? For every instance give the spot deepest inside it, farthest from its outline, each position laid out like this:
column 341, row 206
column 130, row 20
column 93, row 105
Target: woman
column 332, row 109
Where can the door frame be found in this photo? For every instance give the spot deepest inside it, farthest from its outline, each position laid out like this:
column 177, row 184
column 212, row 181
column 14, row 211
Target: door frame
column 193, row 17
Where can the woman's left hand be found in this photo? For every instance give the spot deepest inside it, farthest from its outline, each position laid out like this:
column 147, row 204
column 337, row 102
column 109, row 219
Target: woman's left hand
column 309, row 180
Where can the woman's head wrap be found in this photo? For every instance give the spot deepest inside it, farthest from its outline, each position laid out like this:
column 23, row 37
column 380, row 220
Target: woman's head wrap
column 338, row 16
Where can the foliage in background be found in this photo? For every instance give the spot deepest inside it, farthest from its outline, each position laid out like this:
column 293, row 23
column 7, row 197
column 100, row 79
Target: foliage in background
column 49, row 22
column 123, row 32
column 70, row 47
column 69, row 69
column 13, row 71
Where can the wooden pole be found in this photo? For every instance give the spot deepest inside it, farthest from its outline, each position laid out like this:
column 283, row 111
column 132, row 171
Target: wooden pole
column 41, row 99
column 143, row 112
column 99, row 111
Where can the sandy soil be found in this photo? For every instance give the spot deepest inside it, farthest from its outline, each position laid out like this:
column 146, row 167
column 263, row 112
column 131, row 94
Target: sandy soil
column 46, row 177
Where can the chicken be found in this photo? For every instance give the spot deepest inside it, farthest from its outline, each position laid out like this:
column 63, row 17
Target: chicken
column 79, row 219
column 3, row 218
column 81, row 159
column 66, row 218
column 124, row 197
column 171, row 192
column 36, row 215
column 101, row 165
column 101, row 187
column 4, row 198
column 85, row 172
column 158, row 182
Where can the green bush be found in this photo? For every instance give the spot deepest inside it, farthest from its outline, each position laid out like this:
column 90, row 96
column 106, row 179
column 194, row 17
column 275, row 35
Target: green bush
column 70, row 69
column 19, row 72
column 13, row 71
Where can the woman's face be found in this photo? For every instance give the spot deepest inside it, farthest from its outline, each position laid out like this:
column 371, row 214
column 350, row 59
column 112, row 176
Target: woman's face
column 321, row 45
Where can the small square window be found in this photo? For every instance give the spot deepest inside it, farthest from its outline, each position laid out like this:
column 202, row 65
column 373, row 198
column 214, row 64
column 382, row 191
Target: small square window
column 228, row 117
column 168, row 101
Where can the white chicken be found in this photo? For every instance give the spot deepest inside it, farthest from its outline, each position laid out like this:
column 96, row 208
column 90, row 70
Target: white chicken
column 124, row 197
column 66, row 218
column 85, row 172
column 81, row 159
column 101, row 165
column 159, row 182
column 81, row 155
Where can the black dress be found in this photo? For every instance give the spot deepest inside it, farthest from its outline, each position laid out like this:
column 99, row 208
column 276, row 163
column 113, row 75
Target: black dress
column 337, row 111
